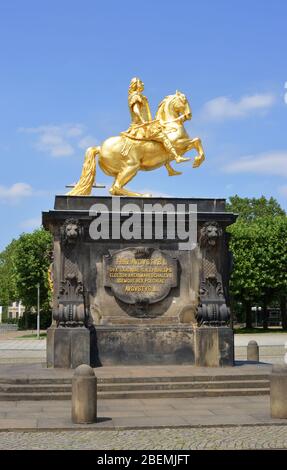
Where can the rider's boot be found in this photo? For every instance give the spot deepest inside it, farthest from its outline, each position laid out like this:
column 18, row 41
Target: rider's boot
column 171, row 150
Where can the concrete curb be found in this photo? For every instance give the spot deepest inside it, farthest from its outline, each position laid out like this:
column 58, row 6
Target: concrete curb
column 95, row 427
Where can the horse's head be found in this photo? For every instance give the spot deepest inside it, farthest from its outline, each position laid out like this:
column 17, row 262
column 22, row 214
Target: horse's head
column 181, row 105
column 174, row 106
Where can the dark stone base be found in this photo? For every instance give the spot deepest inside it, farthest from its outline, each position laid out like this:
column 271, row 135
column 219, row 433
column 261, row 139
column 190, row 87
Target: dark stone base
column 68, row 347
column 142, row 345
column 214, row 346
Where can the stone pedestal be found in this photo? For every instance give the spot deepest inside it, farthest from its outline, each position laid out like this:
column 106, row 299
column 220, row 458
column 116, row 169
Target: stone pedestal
column 143, row 345
column 213, row 346
column 141, row 284
column 68, row 347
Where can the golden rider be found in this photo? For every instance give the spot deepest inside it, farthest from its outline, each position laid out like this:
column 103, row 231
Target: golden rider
column 142, row 126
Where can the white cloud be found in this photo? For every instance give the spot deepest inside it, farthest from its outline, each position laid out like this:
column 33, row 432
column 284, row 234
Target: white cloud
column 74, row 130
column 57, row 141
column 87, row 141
column 222, row 107
column 31, row 224
column 272, row 163
column 15, row 193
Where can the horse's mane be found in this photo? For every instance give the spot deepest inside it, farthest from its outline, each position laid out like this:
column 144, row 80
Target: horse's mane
column 160, row 114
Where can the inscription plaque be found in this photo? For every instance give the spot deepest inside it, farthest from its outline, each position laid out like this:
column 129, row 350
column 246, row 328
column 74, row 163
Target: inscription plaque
column 140, row 275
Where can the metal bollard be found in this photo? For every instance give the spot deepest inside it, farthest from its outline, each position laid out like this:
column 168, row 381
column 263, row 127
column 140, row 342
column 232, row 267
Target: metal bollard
column 278, row 391
column 84, row 395
column 253, row 351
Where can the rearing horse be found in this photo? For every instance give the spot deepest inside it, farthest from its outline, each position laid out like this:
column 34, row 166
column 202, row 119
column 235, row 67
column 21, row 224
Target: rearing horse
column 143, row 155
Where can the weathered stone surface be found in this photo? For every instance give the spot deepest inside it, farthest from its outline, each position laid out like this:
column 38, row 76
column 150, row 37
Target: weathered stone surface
column 253, row 351
column 145, row 345
column 278, row 391
column 80, row 347
column 80, row 203
column 214, row 346
column 68, row 347
column 62, row 347
column 50, row 346
column 154, row 325
column 84, row 395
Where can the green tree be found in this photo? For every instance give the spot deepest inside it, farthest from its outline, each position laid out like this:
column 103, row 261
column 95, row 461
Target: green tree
column 24, row 264
column 8, row 288
column 260, row 262
column 31, row 263
column 250, row 209
column 245, row 279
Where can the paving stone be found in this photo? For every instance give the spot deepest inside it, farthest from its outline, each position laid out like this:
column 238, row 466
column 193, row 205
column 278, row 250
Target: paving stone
column 25, row 423
column 179, row 412
column 228, row 410
column 254, row 437
column 220, row 420
column 204, row 411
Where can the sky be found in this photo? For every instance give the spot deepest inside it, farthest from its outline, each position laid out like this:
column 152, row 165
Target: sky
column 65, row 70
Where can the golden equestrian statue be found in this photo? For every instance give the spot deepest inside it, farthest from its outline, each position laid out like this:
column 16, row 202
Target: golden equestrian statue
column 147, row 144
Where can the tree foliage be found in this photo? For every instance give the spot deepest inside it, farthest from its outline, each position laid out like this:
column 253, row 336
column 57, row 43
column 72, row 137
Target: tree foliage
column 259, row 247
column 8, row 288
column 260, row 258
column 24, row 264
column 250, row 209
column 31, row 263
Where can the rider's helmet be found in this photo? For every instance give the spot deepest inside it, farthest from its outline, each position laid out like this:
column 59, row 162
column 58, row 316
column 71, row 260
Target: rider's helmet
column 134, row 85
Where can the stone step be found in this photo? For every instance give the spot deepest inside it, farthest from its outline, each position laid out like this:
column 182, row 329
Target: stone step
column 184, row 385
column 22, row 389
column 35, row 396
column 185, row 393
column 141, row 394
column 155, row 379
column 106, row 387
column 186, row 378
column 35, row 381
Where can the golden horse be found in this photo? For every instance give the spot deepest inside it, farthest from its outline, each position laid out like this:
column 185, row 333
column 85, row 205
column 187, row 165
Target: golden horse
column 122, row 156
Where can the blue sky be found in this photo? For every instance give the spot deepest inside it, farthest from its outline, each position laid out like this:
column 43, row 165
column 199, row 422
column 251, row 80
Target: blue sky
column 65, row 71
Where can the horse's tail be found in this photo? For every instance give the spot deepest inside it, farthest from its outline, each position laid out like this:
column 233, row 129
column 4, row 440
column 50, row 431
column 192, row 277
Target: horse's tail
column 87, row 178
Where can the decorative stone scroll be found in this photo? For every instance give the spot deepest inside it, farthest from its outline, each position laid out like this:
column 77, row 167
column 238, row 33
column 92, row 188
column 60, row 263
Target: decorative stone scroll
column 212, row 309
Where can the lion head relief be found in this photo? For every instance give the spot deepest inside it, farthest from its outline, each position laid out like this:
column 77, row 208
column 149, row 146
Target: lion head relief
column 210, row 233
column 71, row 230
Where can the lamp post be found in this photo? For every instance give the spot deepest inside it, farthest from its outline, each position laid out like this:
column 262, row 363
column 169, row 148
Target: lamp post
column 38, row 311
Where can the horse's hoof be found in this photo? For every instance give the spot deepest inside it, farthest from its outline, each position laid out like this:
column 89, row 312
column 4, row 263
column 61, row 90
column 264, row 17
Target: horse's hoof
column 198, row 161
column 175, row 173
column 182, row 159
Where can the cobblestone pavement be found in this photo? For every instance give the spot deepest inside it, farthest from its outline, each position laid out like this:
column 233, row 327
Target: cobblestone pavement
column 239, row 437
